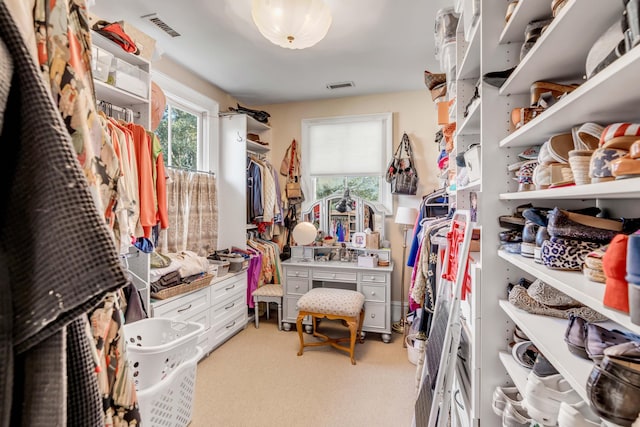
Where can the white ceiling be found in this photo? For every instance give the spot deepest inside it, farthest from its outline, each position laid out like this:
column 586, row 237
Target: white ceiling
column 380, row 45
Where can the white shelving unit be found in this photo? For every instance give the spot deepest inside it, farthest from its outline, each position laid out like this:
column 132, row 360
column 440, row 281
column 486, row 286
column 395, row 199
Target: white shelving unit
column 559, row 55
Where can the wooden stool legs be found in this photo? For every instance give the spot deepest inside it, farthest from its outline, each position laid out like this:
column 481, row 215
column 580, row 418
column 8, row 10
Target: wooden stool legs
column 353, row 323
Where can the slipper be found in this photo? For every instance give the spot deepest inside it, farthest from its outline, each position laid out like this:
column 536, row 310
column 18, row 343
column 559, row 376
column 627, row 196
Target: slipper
column 530, row 153
column 600, row 163
column 559, row 146
column 620, row 135
column 557, row 90
column 587, row 136
column 514, row 221
column 625, row 167
column 525, row 353
column 544, row 156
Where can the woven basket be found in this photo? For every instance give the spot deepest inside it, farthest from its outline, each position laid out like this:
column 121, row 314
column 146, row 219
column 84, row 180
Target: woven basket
column 183, row 288
column 579, row 162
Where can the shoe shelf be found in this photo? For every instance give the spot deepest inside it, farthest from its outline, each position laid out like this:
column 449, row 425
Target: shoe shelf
column 471, row 124
column 472, row 186
column 525, row 12
column 547, row 333
column 517, row 372
column 470, row 65
column 605, row 98
column 621, row 188
column 561, row 51
column 574, row 284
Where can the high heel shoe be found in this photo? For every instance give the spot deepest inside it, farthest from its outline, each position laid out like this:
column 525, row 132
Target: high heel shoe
column 557, row 90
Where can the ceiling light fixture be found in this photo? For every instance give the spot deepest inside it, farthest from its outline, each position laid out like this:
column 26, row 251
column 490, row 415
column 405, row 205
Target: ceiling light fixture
column 292, row 24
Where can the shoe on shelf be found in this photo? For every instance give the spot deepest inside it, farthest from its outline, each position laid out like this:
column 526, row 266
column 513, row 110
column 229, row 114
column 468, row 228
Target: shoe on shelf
column 525, row 353
column 577, row 415
column 544, row 393
column 519, row 336
column 541, row 236
column 550, row 296
column 504, row 395
column 528, row 239
column 557, row 90
column 532, row 33
column 497, row 78
column 515, row 416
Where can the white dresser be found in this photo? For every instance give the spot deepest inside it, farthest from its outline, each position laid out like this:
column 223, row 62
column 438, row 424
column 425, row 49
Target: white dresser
column 221, row 308
column 374, row 283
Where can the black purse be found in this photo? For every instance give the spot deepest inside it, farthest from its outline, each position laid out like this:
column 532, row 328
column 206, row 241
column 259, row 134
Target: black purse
column 401, row 172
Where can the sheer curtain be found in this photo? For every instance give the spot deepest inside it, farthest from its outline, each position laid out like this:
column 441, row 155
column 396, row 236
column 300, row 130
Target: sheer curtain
column 193, row 213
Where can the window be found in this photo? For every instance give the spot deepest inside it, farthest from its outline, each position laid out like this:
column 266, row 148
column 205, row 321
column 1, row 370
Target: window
column 347, row 152
column 188, row 131
column 180, row 133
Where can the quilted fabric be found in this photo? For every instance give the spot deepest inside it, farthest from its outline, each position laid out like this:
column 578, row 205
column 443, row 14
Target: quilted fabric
column 338, row 302
column 269, row 291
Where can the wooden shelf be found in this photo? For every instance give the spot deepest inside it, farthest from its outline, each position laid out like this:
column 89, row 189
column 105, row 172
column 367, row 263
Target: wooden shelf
column 517, row 372
column 470, row 65
column 525, row 12
column 574, row 284
column 622, row 188
column 547, row 333
column 561, row 51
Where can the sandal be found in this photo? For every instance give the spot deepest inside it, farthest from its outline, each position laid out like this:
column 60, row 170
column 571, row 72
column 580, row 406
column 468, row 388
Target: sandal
column 510, row 8
column 556, row 6
column 523, row 115
column 587, row 136
column 557, row 90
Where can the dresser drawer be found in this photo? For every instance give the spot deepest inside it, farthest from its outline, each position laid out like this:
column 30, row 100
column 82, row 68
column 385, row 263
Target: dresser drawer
column 373, row 293
column 297, row 272
column 297, row 286
column 373, row 277
column 201, row 317
column 335, row 275
column 230, row 323
column 221, row 290
column 184, row 306
column 220, row 310
column 374, row 316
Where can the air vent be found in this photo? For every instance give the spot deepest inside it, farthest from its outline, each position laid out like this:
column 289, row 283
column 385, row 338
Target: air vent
column 340, row 85
column 158, row 22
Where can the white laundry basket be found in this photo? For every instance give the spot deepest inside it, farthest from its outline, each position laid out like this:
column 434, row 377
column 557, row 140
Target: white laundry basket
column 170, row 402
column 156, row 347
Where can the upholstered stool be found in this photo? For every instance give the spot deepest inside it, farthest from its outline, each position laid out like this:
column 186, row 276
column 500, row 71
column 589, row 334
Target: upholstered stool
column 267, row 294
column 331, row 303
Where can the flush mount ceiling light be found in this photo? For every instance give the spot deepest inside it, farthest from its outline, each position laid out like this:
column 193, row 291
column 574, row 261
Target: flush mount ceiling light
column 293, row 24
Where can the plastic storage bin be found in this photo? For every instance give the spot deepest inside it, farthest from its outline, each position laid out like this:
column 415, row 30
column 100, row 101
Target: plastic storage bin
column 158, row 346
column 100, row 63
column 131, row 78
column 223, row 266
column 448, row 60
column 445, row 27
column 170, row 403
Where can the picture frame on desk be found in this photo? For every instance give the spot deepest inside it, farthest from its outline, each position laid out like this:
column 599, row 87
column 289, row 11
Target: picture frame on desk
column 359, row 240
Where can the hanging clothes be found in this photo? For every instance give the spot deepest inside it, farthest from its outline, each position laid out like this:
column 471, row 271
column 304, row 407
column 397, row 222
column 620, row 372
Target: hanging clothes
column 46, row 363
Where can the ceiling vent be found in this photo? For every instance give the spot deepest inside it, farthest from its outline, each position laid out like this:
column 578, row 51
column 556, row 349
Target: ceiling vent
column 340, row 85
column 158, row 22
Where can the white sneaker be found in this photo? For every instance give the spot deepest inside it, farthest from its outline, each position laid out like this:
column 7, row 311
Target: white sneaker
column 516, row 416
column 577, row 415
column 543, row 396
column 502, row 395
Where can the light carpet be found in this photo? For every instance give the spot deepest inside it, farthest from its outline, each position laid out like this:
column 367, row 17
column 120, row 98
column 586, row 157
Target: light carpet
column 256, row 379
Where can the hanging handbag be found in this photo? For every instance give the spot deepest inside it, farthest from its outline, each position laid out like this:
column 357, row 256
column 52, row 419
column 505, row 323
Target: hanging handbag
column 293, row 190
column 402, row 173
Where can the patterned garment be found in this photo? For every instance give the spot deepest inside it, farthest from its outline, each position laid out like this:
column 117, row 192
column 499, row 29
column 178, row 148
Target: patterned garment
column 63, row 46
column 64, row 51
column 43, row 300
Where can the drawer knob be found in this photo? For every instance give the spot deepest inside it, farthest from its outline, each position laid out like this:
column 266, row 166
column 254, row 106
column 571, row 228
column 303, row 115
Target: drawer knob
column 373, row 278
column 297, row 286
column 297, row 273
column 373, row 315
column 333, row 276
column 184, row 309
column 373, row 293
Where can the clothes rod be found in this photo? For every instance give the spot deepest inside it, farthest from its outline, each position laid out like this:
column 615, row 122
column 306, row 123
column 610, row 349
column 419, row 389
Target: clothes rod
column 192, row 170
column 108, row 107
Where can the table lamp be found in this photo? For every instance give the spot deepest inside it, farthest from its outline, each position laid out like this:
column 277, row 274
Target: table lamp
column 304, row 233
column 406, row 218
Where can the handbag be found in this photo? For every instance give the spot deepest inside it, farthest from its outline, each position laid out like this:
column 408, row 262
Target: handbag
column 293, row 190
column 401, row 172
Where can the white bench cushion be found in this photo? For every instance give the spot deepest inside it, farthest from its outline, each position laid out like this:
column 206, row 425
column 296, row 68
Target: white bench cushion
column 338, row 302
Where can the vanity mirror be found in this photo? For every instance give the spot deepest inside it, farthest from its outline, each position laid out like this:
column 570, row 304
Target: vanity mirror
column 340, row 215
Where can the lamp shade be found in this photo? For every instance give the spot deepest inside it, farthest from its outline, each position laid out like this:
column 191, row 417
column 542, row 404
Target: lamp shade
column 304, row 233
column 405, row 215
column 292, row 24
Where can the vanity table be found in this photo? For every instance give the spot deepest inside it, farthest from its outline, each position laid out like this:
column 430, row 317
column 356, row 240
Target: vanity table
column 304, row 271
column 373, row 282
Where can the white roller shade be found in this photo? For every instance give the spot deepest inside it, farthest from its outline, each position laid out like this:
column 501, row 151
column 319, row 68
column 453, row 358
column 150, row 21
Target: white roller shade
column 354, row 148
